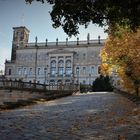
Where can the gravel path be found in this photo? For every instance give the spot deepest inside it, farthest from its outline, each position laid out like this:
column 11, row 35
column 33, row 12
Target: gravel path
column 93, row 116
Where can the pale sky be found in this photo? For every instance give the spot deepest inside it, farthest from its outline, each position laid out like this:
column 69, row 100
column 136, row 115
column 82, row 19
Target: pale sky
column 36, row 18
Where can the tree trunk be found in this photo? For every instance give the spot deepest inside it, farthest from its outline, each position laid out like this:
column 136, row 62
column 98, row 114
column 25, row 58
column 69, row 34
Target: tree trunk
column 137, row 90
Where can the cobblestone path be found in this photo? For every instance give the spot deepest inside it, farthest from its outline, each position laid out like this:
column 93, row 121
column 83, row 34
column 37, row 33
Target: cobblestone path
column 94, row 116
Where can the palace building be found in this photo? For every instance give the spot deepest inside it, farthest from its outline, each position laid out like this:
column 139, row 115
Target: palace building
column 53, row 62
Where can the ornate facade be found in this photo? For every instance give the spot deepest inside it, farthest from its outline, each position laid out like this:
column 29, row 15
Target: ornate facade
column 53, row 62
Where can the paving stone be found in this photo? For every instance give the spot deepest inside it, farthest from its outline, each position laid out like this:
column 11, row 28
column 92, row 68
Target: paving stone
column 90, row 116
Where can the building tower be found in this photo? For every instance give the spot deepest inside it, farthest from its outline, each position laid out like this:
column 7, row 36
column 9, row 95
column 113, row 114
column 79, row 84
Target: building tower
column 20, row 39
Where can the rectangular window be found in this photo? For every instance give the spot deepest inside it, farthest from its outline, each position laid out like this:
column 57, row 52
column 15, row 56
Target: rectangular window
column 53, row 71
column 84, row 56
column 68, row 71
column 38, row 71
column 31, row 71
column 77, row 70
column 19, row 71
column 84, row 70
column 24, row 71
column 92, row 70
column 45, row 70
column 61, row 71
column 9, row 72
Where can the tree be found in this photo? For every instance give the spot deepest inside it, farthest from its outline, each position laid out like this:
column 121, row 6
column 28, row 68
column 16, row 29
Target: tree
column 102, row 83
column 122, row 54
column 122, row 18
column 69, row 14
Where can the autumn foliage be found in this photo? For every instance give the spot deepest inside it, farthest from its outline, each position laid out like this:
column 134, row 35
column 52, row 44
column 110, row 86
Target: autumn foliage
column 121, row 54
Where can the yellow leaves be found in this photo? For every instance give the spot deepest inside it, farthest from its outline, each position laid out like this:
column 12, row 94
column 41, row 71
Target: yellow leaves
column 105, row 69
column 122, row 53
column 104, row 55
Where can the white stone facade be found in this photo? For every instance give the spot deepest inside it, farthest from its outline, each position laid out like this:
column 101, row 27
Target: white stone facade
column 53, row 62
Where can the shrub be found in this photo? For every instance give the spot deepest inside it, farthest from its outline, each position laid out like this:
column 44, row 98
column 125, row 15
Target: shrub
column 102, row 83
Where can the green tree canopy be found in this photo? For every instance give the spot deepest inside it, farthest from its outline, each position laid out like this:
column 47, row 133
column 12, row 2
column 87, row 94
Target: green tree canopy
column 69, row 14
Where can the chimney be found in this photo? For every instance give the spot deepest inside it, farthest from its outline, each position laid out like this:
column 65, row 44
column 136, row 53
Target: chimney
column 56, row 41
column 77, row 40
column 46, row 42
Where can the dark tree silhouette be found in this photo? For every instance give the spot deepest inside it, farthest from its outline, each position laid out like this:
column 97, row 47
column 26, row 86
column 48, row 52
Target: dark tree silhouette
column 69, row 14
column 102, row 83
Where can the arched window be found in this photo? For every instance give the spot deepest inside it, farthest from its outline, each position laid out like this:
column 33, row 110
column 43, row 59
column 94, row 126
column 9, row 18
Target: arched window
column 84, row 82
column 53, row 68
column 84, row 70
column 68, row 63
column 31, row 71
column 61, row 68
column 68, row 68
column 9, row 71
column 25, row 71
column 67, row 81
column 84, row 56
column 53, row 63
column 92, row 70
column 77, row 70
column 59, row 82
column 45, row 70
column 39, row 71
column 52, row 82
column 61, row 63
